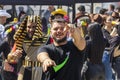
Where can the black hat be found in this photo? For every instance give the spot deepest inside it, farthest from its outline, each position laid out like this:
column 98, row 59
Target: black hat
column 81, row 8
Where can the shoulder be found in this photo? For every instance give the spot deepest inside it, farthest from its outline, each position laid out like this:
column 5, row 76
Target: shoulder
column 46, row 48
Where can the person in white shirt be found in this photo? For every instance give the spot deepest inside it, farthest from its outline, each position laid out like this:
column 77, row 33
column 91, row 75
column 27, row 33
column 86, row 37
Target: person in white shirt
column 3, row 17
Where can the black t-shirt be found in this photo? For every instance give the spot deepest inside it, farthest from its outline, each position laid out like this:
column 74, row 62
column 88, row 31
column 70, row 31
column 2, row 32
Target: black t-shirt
column 72, row 68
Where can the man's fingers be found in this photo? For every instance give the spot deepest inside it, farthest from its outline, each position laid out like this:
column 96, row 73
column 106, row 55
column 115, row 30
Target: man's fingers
column 47, row 64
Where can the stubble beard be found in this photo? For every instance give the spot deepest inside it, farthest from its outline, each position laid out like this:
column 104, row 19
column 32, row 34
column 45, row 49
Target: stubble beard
column 60, row 40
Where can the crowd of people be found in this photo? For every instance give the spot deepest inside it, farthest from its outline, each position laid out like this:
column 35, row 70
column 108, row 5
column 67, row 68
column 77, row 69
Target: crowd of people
column 50, row 47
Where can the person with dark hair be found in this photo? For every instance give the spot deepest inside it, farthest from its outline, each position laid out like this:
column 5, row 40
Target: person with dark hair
column 9, row 71
column 28, row 39
column 81, row 12
column 107, row 29
column 57, row 14
column 67, row 55
column 95, row 48
column 115, row 51
column 103, row 11
column 110, row 9
column 81, row 8
column 116, row 16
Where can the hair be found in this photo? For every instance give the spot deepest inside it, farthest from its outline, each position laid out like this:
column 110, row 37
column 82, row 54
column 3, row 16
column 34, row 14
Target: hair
column 112, row 6
column 81, row 8
column 97, row 40
column 21, row 32
column 115, row 15
column 20, row 14
column 103, row 11
column 118, row 8
column 98, row 18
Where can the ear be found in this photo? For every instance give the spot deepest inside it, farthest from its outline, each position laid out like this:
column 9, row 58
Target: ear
column 50, row 33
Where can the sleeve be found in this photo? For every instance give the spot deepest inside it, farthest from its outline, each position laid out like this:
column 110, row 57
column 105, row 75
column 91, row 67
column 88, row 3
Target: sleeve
column 43, row 49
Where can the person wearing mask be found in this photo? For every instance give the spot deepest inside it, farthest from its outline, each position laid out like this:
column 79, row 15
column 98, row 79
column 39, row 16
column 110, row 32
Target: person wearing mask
column 28, row 39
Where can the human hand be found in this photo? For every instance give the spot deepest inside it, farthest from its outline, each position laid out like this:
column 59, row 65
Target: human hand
column 47, row 63
column 14, row 56
column 74, row 31
column 17, row 53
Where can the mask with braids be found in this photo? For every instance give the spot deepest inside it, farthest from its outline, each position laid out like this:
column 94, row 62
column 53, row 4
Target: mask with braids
column 24, row 29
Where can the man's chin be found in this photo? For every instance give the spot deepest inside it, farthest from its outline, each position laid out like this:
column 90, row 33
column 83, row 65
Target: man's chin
column 60, row 40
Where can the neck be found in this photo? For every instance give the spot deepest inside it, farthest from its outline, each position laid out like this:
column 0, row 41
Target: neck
column 108, row 28
column 59, row 44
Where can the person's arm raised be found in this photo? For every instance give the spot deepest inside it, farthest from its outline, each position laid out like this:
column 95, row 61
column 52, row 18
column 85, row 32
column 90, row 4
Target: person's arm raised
column 78, row 40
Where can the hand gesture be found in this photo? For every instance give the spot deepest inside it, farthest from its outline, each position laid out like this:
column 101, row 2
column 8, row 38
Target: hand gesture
column 47, row 63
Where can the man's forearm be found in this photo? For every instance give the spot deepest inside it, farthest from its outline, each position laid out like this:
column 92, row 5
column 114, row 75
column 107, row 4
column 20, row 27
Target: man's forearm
column 79, row 41
column 42, row 57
